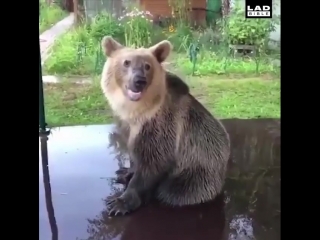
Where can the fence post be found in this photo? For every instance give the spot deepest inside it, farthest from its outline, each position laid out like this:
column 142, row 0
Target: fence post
column 42, row 119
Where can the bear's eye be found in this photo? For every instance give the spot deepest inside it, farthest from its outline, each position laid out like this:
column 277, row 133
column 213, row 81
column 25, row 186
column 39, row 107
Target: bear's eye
column 147, row 66
column 126, row 63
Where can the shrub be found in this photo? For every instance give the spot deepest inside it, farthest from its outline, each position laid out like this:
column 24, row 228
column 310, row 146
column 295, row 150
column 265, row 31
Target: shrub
column 180, row 37
column 72, row 53
column 238, row 30
column 105, row 25
column 49, row 15
column 79, row 51
column 137, row 28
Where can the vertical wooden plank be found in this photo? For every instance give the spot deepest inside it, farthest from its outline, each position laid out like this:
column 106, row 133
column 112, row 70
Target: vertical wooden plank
column 76, row 11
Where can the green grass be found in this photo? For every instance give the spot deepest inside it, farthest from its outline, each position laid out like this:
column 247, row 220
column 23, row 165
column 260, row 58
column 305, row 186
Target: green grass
column 49, row 15
column 238, row 98
column 209, row 63
column 233, row 97
column 64, row 60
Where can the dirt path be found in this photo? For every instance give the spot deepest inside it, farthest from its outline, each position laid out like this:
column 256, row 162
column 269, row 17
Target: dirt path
column 48, row 37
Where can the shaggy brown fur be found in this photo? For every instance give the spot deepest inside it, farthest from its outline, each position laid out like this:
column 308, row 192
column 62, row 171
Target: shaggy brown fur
column 180, row 151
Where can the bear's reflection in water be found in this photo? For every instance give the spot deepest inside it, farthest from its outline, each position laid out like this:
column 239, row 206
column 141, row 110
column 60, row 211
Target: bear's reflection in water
column 159, row 222
column 249, row 207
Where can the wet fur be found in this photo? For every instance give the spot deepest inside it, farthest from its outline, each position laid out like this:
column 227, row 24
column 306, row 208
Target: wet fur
column 180, row 151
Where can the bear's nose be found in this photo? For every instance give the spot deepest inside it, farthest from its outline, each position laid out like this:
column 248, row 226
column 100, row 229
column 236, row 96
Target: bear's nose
column 139, row 82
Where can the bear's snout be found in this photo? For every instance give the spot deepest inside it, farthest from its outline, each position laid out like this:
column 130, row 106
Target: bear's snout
column 138, row 83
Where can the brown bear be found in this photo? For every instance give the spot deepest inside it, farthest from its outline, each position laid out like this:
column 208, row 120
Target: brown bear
column 178, row 149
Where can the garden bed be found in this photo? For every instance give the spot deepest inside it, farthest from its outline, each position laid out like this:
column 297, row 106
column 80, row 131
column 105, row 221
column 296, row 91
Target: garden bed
column 78, row 52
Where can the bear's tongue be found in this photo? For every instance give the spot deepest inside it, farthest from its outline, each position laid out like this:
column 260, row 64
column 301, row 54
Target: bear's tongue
column 134, row 96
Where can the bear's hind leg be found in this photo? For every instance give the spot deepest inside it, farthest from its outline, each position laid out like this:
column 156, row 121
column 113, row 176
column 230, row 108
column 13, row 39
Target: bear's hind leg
column 186, row 189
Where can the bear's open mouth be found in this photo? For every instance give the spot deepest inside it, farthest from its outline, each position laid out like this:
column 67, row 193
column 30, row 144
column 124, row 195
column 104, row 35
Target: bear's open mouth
column 134, row 96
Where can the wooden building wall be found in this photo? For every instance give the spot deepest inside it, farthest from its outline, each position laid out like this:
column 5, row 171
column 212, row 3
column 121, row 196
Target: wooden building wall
column 162, row 8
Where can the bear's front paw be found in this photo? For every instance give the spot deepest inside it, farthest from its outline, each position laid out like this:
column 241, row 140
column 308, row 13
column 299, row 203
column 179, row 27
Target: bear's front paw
column 124, row 176
column 117, row 207
column 126, row 203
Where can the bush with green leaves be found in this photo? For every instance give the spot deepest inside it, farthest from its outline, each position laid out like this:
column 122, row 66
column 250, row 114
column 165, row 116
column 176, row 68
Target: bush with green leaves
column 72, row 53
column 137, row 28
column 182, row 37
column 238, row 30
column 106, row 25
column 77, row 51
column 49, row 15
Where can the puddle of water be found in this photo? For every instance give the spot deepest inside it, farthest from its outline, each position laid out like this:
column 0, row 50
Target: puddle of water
column 82, row 162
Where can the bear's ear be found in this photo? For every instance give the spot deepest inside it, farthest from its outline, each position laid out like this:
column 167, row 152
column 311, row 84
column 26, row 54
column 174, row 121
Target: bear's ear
column 161, row 50
column 109, row 45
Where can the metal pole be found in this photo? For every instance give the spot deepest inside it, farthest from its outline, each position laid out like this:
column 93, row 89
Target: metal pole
column 47, row 187
column 42, row 118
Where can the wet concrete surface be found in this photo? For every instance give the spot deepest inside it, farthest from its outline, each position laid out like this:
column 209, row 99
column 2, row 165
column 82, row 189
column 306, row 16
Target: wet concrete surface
column 82, row 161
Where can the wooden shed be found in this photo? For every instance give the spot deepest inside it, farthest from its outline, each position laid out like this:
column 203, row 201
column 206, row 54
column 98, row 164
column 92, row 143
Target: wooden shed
column 197, row 9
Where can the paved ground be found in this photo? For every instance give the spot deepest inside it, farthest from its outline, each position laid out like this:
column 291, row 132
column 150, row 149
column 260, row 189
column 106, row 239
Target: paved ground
column 48, row 37
column 77, row 79
column 82, row 173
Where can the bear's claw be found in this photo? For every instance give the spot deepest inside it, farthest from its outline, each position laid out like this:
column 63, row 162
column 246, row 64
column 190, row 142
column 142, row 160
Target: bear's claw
column 117, row 207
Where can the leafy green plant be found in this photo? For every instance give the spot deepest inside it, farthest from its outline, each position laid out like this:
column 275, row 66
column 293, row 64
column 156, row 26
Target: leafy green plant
column 73, row 53
column 105, row 24
column 211, row 40
column 49, row 15
column 239, row 30
column 137, row 28
column 181, row 37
